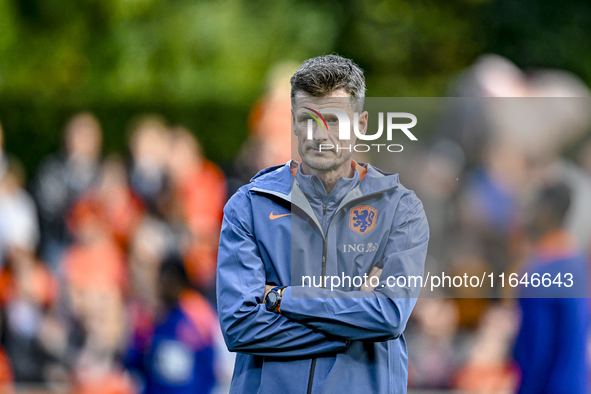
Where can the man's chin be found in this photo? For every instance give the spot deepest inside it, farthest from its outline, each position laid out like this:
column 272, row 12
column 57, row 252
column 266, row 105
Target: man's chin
column 321, row 164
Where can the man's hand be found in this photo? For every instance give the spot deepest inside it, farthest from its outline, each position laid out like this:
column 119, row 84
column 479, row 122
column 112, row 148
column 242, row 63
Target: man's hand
column 268, row 288
column 375, row 271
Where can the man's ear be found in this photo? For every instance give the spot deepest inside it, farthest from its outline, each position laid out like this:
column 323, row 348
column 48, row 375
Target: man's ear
column 363, row 122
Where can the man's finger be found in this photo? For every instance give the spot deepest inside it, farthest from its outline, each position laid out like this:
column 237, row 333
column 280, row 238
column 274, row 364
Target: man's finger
column 378, row 272
column 375, row 271
column 366, row 286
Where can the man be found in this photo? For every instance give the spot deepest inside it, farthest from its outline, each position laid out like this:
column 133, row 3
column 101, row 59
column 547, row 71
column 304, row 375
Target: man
column 62, row 178
column 551, row 348
column 295, row 221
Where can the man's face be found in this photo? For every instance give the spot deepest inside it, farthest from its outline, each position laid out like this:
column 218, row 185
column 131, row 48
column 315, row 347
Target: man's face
column 324, row 151
column 83, row 140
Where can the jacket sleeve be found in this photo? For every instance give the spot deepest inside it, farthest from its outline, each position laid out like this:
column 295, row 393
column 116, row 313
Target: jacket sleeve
column 383, row 313
column 246, row 324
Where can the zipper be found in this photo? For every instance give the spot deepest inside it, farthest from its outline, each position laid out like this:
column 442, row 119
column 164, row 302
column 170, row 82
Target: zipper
column 324, row 248
column 311, row 378
column 324, row 253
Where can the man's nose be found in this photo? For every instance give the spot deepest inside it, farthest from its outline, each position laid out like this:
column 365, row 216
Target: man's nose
column 319, row 133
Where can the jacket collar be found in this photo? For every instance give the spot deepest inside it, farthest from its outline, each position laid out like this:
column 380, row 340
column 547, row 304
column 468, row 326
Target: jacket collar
column 279, row 180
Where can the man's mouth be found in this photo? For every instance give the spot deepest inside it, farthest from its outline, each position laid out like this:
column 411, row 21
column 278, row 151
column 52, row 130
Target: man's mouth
column 317, row 149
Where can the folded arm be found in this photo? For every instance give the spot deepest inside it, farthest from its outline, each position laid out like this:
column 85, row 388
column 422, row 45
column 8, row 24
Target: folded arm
column 246, row 324
column 383, row 313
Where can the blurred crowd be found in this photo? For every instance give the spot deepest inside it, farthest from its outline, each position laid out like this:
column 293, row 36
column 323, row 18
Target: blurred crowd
column 107, row 269
column 506, row 184
column 108, row 264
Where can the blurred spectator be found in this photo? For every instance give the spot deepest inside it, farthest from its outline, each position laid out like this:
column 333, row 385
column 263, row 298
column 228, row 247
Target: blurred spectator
column 64, row 177
column 270, row 141
column 27, row 291
column 488, row 209
column 179, row 357
column 152, row 242
column 552, row 342
column 270, row 119
column 96, row 367
column 199, row 195
column 95, row 282
column 488, row 369
column 95, row 276
column 94, row 260
column 6, row 382
column 149, row 147
column 120, row 208
column 18, row 214
column 434, row 343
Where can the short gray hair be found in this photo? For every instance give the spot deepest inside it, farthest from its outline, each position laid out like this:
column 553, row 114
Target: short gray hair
column 322, row 75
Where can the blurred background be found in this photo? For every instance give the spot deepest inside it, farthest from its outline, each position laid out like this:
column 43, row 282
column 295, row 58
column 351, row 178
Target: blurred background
column 126, row 124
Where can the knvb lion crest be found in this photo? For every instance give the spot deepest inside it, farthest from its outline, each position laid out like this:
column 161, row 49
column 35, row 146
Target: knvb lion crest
column 362, row 219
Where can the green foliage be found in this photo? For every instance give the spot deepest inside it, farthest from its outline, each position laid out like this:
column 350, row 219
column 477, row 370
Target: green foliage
column 204, row 63
column 153, row 51
column 535, row 34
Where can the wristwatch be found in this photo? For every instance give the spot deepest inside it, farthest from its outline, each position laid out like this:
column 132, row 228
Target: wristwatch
column 273, row 299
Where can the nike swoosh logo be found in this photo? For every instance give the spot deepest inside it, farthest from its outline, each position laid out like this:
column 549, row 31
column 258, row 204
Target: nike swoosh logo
column 273, row 217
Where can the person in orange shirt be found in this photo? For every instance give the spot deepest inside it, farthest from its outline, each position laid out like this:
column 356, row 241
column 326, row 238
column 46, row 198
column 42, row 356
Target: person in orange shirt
column 95, row 260
column 120, row 208
column 26, row 277
column 199, row 189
